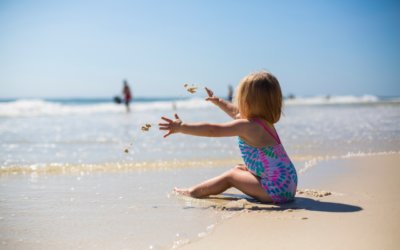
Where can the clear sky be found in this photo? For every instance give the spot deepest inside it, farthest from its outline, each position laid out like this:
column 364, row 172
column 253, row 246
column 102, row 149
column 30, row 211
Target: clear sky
column 86, row 48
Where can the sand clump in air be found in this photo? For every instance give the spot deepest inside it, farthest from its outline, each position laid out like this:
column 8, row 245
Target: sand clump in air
column 191, row 89
column 146, row 127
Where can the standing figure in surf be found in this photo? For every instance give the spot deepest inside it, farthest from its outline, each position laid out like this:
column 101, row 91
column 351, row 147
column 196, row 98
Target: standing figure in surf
column 127, row 95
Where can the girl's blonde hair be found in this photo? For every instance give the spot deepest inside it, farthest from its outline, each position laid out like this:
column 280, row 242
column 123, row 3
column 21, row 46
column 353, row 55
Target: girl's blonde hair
column 259, row 96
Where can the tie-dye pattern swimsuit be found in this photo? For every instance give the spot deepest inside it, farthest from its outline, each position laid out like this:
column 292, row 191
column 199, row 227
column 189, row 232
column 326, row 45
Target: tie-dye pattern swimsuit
column 272, row 165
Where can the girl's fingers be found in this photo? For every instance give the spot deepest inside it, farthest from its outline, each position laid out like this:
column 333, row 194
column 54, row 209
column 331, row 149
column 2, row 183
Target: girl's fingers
column 166, row 119
column 211, row 99
column 167, row 126
column 209, row 92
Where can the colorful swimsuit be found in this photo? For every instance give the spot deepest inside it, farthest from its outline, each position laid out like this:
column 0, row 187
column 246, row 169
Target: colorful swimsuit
column 272, row 165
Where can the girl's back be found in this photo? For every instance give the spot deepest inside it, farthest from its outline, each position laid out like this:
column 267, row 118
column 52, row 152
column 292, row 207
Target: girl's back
column 272, row 165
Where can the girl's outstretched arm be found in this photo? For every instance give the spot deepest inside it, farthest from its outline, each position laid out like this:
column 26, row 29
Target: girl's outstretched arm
column 233, row 128
column 227, row 107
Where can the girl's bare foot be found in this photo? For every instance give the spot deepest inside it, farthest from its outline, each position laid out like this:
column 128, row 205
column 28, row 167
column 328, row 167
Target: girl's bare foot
column 182, row 191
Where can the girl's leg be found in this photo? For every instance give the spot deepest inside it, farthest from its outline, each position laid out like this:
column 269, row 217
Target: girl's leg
column 238, row 177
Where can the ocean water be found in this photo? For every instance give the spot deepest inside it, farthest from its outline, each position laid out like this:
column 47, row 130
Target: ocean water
column 64, row 165
column 39, row 133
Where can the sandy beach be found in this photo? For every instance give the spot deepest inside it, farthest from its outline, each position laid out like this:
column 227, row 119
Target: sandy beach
column 344, row 204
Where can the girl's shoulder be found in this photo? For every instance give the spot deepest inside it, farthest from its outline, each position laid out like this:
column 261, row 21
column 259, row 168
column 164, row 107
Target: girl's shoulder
column 255, row 122
column 245, row 123
column 255, row 134
column 249, row 127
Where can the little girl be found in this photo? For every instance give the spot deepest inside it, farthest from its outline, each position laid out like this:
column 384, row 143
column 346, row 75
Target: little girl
column 268, row 174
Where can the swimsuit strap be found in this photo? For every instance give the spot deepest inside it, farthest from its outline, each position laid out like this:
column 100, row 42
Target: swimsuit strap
column 269, row 130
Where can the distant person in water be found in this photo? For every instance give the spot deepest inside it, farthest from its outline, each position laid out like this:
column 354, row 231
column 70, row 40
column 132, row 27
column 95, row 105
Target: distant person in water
column 230, row 93
column 127, row 95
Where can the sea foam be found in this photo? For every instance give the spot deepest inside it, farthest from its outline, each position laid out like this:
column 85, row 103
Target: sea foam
column 332, row 100
column 39, row 107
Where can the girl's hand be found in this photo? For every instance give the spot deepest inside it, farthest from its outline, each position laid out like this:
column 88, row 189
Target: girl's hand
column 211, row 97
column 172, row 125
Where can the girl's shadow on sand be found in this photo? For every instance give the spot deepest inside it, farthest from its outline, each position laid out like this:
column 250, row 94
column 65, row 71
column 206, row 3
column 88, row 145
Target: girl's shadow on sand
column 322, row 206
column 233, row 203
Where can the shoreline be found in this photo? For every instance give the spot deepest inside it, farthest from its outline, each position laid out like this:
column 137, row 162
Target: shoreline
column 349, row 214
column 306, row 161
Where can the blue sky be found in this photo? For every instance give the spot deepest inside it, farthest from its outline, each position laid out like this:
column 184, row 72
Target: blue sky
column 86, row 48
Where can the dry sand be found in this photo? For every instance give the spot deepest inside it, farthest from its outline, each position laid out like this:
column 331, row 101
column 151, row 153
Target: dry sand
column 353, row 204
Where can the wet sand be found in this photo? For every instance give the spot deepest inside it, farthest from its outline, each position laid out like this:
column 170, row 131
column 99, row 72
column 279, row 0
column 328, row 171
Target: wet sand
column 341, row 204
column 346, row 203
column 132, row 209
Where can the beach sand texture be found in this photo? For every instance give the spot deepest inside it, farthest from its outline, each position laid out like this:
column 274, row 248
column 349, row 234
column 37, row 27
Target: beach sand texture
column 362, row 211
column 346, row 203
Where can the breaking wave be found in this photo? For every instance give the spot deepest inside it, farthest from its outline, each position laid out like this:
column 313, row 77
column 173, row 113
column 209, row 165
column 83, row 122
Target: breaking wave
column 39, row 107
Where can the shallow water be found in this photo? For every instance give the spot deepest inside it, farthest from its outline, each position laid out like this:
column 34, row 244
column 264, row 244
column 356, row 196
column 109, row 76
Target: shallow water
column 307, row 131
column 133, row 210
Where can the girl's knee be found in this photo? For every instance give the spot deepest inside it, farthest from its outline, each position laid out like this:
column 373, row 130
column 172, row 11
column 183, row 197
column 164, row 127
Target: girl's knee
column 233, row 174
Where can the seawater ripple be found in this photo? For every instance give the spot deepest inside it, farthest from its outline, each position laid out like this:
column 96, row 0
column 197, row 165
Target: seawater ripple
column 83, row 169
column 303, row 163
column 314, row 161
